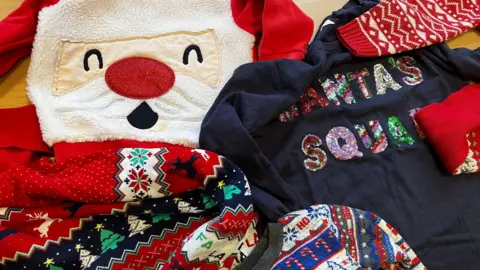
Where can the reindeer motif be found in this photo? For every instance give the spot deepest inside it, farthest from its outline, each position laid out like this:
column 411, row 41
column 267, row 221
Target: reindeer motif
column 203, row 153
column 43, row 228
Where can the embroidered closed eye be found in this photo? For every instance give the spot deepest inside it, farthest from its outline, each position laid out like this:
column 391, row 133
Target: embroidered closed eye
column 91, row 53
column 187, row 52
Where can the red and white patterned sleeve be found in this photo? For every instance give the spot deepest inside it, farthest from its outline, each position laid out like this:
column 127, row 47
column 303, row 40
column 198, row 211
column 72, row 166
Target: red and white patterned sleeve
column 396, row 26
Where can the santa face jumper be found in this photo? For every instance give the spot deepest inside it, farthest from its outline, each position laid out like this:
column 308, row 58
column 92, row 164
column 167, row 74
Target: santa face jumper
column 98, row 75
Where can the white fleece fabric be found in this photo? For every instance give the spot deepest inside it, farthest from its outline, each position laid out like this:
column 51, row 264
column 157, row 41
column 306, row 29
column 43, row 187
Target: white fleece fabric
column 92, row 111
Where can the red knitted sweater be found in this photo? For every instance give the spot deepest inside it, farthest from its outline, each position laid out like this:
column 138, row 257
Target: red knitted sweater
column 396, row 26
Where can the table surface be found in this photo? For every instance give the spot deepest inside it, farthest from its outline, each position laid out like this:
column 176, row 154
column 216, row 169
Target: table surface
column 12, row 85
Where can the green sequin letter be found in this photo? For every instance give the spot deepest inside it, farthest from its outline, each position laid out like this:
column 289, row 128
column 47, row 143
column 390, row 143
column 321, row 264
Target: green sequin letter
column 398, row 131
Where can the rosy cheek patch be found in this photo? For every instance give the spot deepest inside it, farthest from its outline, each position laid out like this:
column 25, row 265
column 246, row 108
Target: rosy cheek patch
column 195, row 54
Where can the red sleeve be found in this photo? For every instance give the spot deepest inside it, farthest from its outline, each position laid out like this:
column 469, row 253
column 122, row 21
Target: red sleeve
column 20, row 136
column 17, row 31
column 392, row 26
column 280, row 27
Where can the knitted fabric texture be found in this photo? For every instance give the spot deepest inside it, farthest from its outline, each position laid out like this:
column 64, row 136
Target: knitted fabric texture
column 396, row 26
column 171, row 207
column 453, row 128
column 340, row 237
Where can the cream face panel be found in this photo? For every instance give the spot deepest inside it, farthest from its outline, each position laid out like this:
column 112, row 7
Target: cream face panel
column 170, row 49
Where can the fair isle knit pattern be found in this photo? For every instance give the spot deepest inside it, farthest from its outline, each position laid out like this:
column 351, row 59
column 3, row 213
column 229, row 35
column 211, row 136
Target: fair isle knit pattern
column 342, row 238
column 396, row 26
column 472, row 160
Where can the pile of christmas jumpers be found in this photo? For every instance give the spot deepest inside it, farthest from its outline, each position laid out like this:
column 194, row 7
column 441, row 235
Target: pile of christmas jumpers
column 92, row 219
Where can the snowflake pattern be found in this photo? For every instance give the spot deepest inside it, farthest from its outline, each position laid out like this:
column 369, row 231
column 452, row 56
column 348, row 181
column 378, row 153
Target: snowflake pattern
column 141, row 176
column 290, row 234
column 139, row 156
column 316, row 213
column 139, row 182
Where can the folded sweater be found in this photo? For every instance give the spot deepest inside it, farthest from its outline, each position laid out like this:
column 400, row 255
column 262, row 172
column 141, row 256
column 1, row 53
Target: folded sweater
column 331, row 237
column 396, row 26
column 452, row 127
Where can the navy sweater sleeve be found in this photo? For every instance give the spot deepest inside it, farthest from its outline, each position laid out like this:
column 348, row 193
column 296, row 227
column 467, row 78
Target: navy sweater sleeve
column 466, row 63
column 258, row 89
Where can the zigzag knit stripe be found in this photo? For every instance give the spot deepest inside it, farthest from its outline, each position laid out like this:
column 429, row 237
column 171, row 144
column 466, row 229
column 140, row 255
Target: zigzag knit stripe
column 395, row 26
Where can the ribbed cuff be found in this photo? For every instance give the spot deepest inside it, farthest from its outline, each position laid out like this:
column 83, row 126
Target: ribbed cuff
column 356, row 41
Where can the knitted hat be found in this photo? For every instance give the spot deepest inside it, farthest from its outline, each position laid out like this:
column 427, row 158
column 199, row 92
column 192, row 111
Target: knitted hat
column 332, row 237
column 453, row 129
column 396, row 26
column 138, row 70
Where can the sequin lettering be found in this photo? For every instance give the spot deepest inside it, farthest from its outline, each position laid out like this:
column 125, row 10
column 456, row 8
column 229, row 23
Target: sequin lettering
column 392, row 62
column 362, row 132
column 398, row 131
column 310, row 99
column 406, row 65
column 340, row 89
column 381, row 141
column 412, row 113
column 349, row 149
column 289, row 114
column 384, row 80
column 359, row 76
column 316, row 157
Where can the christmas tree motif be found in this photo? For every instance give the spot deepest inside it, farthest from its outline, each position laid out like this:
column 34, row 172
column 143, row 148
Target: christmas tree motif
column 335, row 266
column 53, row 267
column 229, row 190
column 137, row 226
column 159, row 217
column 188, row 167
column 248, row 191
column 208, row 201
column 86, row 259
column 185, row 207
column 110, row 239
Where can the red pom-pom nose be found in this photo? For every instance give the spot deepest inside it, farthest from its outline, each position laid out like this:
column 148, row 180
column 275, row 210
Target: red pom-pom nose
column 140, row 78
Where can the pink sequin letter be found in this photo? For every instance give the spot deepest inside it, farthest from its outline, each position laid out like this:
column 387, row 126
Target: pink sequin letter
column 310, row 99
column 316, row 157
column 359, row 76
column 412, row 113
column 348, row 150
column 341, row 89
